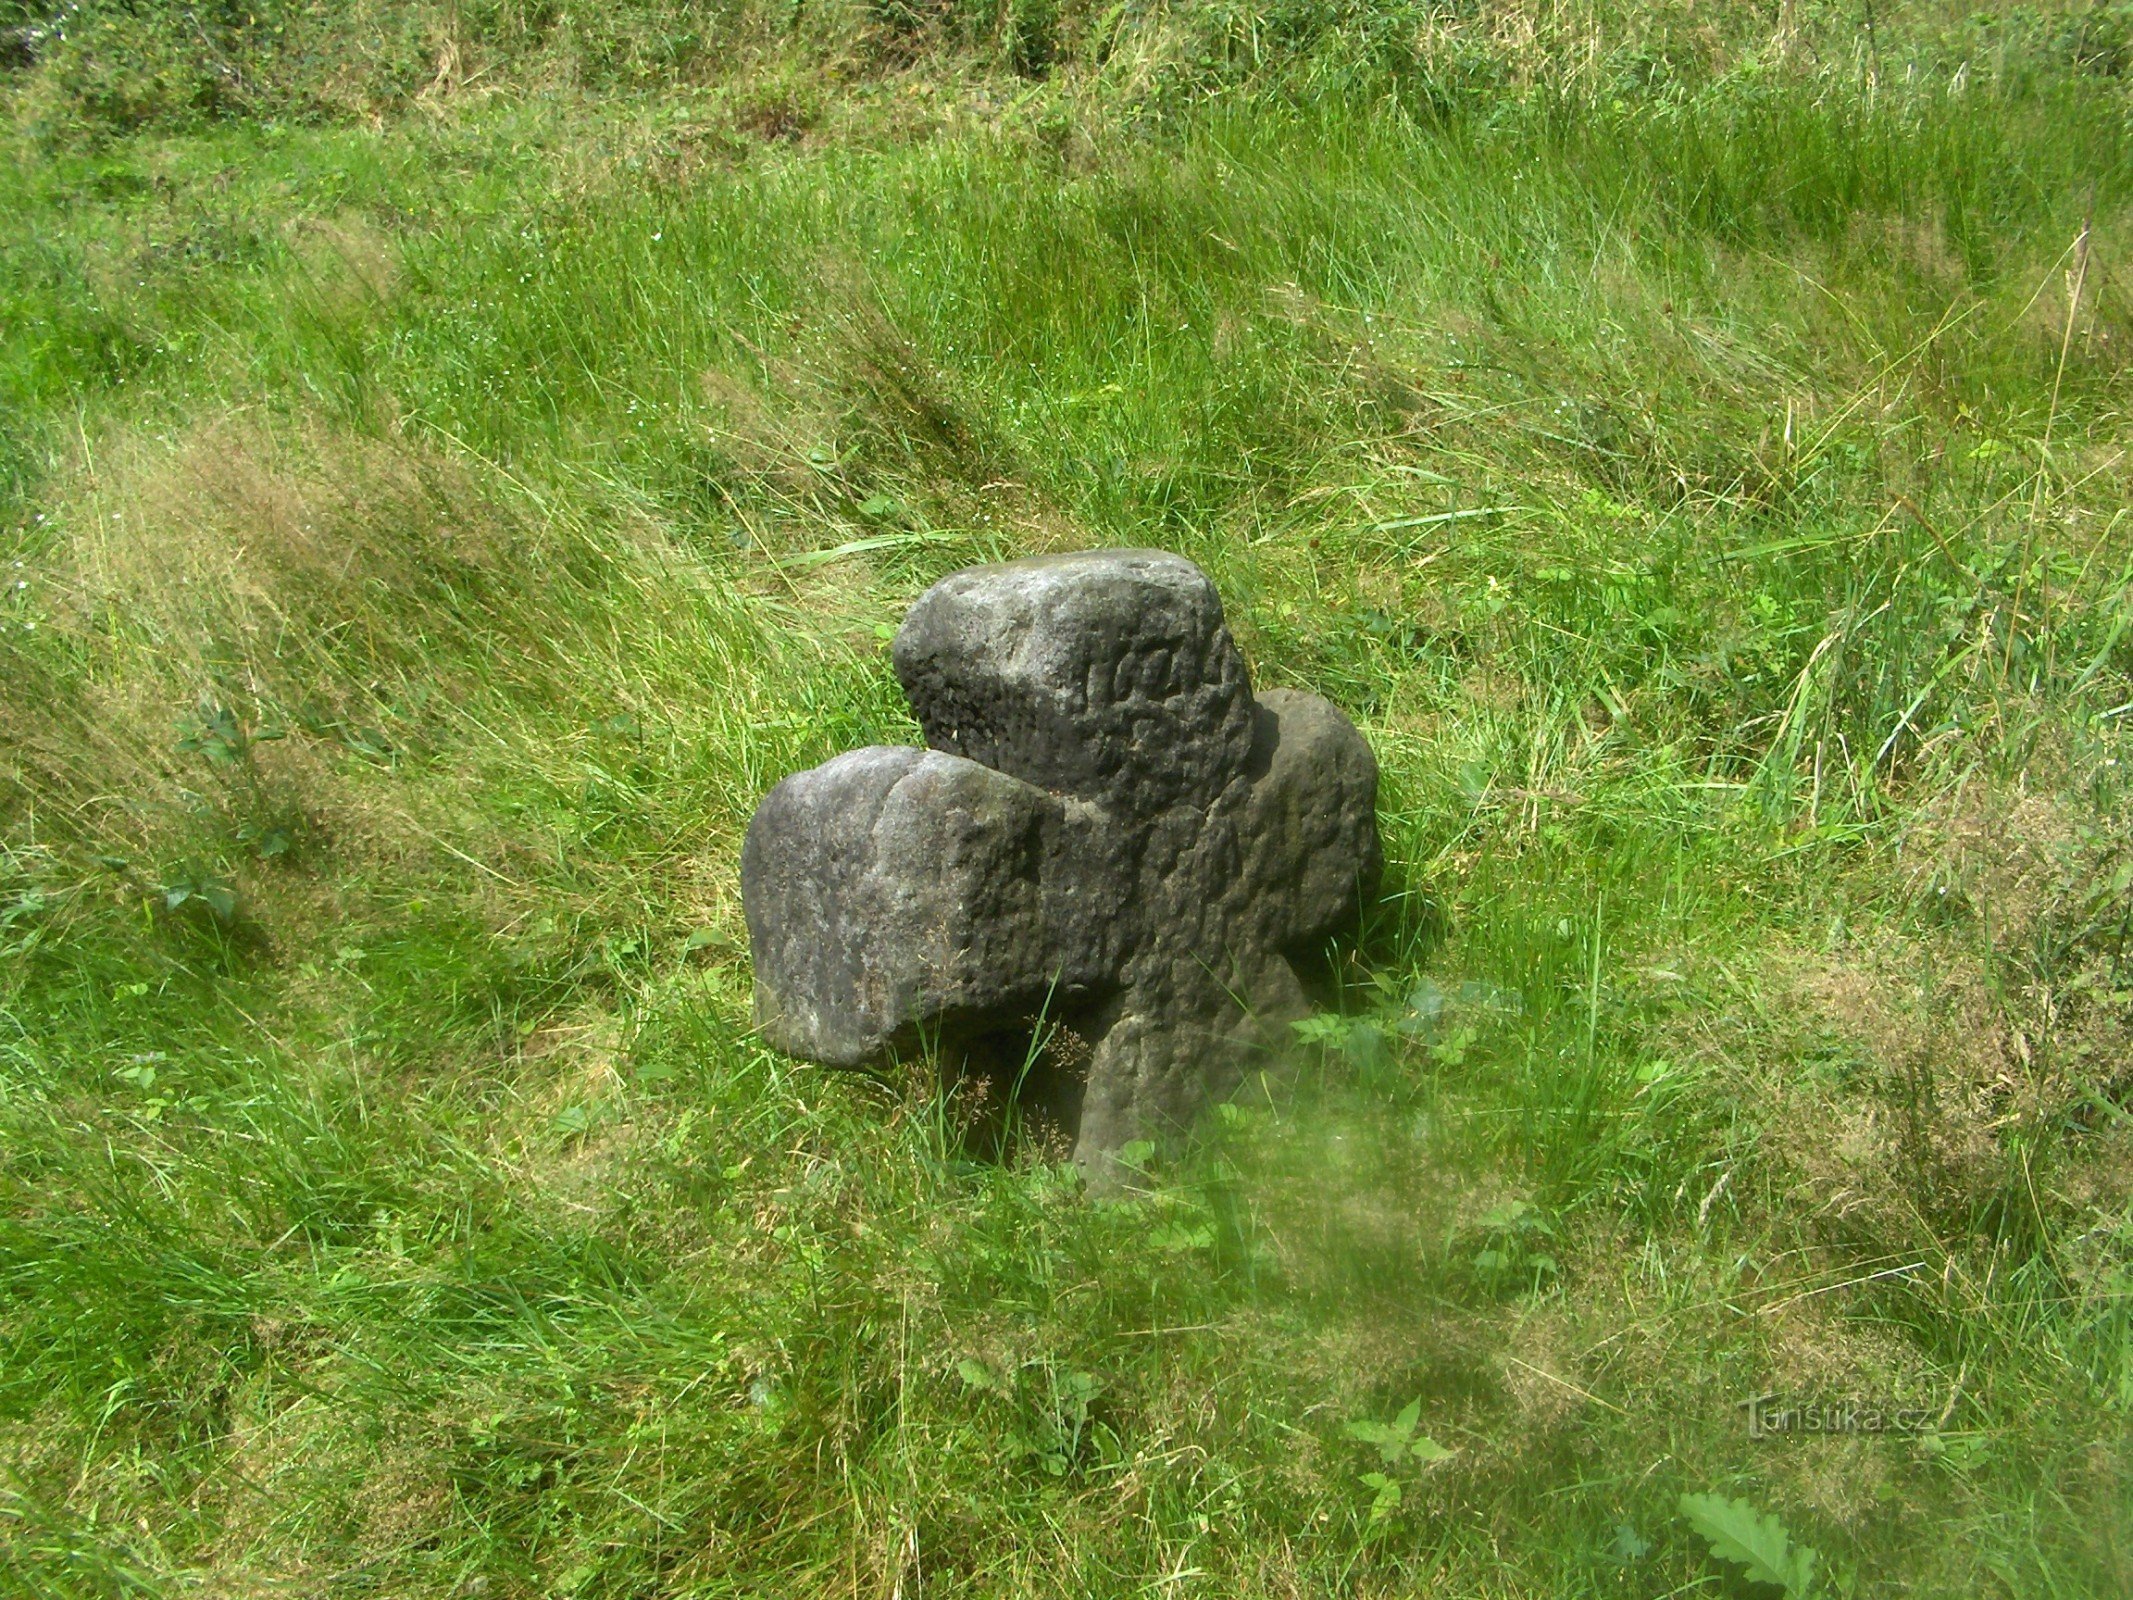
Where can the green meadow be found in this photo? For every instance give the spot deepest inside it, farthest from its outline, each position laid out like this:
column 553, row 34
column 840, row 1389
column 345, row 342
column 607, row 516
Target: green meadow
column 454, row 458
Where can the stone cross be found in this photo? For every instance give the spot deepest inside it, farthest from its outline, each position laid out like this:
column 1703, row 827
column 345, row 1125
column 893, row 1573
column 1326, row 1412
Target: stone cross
column 1110, row 842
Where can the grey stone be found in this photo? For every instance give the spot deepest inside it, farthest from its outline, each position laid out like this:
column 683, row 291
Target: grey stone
column 1317, row 794
column 1107, row 675
column 892, row 888
column 1111, row 843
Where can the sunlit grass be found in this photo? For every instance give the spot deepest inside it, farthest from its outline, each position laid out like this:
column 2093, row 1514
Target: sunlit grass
column 433, row 541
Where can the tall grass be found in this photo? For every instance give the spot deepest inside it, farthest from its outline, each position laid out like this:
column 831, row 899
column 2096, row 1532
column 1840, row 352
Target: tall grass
column 434, row 540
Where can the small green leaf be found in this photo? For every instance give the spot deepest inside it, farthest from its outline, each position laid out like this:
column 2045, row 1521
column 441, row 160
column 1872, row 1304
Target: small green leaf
column 1387, row 1497
column 1451, row 1050
column 369, row 742
column 1396, row 1440
column 1958, row 1450
column 1752, row 1541
column 572, row 1121
column 215, row 734
column 1180, row 1238
column 1627, row 1546
column 1324, row 1028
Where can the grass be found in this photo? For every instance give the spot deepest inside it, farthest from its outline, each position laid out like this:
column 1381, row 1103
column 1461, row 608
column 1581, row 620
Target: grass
column 428, row 537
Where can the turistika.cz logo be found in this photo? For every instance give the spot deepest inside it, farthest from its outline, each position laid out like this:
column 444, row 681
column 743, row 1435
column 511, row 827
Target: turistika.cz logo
column 1771, row 1416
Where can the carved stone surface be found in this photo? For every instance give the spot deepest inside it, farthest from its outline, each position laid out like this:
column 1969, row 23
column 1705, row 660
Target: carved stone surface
column 1110, row 842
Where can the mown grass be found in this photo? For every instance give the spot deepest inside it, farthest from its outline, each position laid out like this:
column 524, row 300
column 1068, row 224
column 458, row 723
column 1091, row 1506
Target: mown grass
column 434, row 537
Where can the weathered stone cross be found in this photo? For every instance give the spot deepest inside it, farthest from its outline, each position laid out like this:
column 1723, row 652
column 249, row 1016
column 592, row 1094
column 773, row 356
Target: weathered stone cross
column 1108, row 834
